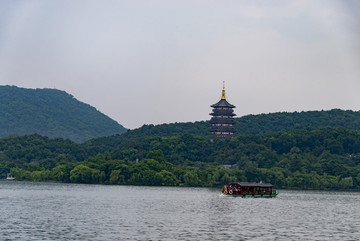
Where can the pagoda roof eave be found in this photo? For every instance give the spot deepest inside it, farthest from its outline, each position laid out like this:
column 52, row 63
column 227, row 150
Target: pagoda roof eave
column 223, row 103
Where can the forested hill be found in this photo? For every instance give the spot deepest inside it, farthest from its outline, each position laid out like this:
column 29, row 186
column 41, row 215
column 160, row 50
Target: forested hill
column 51, row 113
column 246, row 125
column 324, row 158
column 285, row 121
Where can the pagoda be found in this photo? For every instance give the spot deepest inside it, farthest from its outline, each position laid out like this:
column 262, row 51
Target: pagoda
column 222, row 121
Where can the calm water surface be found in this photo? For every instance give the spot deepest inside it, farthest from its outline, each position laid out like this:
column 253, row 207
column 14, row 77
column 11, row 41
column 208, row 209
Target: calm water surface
column 49, row 211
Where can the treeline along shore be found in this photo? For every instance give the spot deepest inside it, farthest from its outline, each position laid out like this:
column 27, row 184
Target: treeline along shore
column 320, row 158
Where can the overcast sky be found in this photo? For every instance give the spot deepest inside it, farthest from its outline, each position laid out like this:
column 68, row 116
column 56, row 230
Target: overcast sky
column 160, row 61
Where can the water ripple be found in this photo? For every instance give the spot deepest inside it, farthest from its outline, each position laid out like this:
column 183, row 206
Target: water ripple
column 48, row 211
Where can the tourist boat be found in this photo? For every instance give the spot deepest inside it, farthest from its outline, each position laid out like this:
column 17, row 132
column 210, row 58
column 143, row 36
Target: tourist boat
column 10, row 177
column 249, row 189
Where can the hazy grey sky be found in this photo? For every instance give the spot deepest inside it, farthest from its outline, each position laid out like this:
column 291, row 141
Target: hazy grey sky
column 160, row 61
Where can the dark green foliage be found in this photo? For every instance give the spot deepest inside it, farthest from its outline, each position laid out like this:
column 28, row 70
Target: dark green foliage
column 284, row 121
column 246, row 125
column 323, row 158
column 120, row 141
column 51, row 113
column 40, row 151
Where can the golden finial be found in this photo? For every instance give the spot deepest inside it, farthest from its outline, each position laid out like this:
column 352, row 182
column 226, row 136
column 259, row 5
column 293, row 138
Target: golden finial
column 223, row 91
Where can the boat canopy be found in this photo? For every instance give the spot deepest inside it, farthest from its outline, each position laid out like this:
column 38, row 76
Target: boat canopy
column 249, row 184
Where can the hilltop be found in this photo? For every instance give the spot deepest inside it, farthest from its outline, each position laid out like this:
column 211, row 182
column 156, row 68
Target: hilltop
column 51, row 113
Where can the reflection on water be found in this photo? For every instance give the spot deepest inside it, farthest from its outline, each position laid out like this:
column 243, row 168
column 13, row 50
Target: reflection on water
column 49, row 211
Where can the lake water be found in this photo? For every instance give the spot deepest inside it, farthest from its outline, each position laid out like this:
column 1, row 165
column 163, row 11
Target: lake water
column 51, row 211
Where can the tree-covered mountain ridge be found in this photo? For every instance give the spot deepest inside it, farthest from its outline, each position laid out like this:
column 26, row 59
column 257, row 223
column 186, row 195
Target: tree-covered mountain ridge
column 246, row 125
column 53, row 113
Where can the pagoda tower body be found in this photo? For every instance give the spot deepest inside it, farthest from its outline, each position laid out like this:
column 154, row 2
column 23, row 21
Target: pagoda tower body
column 222, row 121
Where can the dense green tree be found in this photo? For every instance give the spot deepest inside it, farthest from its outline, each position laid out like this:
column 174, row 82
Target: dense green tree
column 167, row 178
column 346, row 183
column 60, row 173
column 116, row 177
column 84, row 174
column 191, row 177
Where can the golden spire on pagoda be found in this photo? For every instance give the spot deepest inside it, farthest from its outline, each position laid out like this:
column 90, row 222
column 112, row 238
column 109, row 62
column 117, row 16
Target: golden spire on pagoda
column 223, row 91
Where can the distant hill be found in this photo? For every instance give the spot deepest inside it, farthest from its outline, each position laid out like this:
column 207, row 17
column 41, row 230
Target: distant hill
column 246, row 125
column 51, row 113
column 287, row 121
